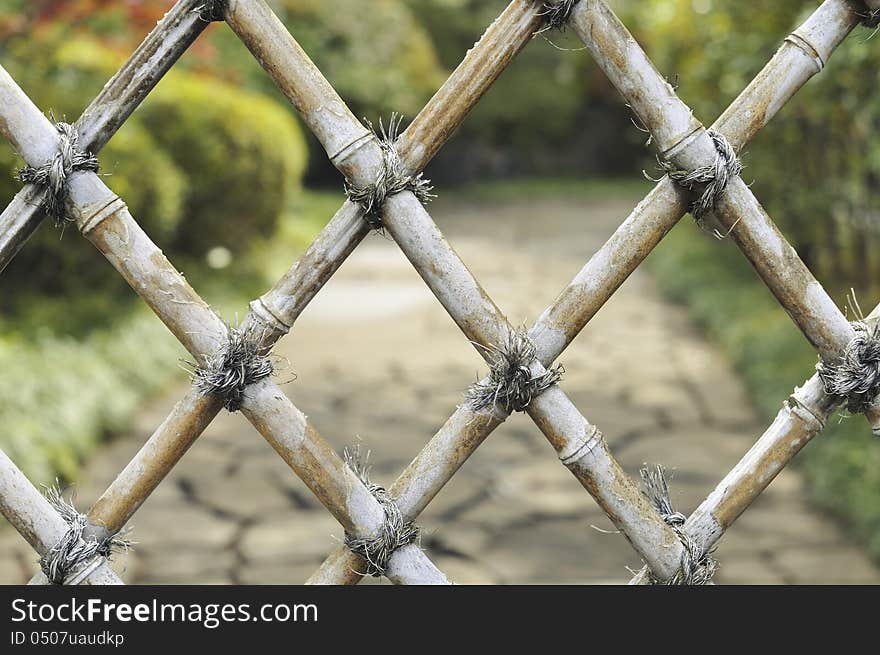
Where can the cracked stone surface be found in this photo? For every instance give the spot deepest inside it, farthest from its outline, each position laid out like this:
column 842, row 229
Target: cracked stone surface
column 380, row 363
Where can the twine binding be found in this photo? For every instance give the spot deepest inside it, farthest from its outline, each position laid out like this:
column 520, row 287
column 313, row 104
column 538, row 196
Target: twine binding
column 511, row 383
column 53, row 175
column 697, row 568
column 395, row 531
column 709, row 180
column 75, row 552
column 391, row 180
column 556, row 14
column 229, row 370
column 856, row 375
column 870, row 18
column 211, row 10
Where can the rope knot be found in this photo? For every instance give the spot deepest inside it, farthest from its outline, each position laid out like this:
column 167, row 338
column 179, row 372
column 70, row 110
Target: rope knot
column 870, row 18
column 391, row 180
column 697, row 568
column 75, row 550
column 211, row 10
column 395, row 531
column 709, row 180
column 53, row 175
column 556, row 14
column 856, row 375
column 229, row 370
column 511, row 383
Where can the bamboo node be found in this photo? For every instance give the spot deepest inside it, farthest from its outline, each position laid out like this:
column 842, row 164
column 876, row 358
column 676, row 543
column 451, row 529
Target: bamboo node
column 709, row 180
column 236, row 364
column 856, row 375
column 53, row 175
column 211, row 10
column 76, row 550
column 395, row 531
column 697, row 567
column 511, row 383
column 391, row 180
column 556, row 14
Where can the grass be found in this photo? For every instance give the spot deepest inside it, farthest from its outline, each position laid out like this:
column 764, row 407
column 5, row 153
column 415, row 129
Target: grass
column 65, row 388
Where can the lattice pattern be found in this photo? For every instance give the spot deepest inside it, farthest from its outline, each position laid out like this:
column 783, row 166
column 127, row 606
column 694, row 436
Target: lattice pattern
column 668, row 543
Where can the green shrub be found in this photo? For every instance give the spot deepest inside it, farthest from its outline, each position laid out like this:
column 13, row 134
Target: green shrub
column 242, row 156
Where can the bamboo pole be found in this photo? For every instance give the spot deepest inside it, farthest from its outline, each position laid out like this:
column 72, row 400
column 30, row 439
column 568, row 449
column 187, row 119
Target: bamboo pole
column 103, row 218
column 608, row 268
column 803, row 416
column 160, row 50
column 28, row 511
column 682, row 139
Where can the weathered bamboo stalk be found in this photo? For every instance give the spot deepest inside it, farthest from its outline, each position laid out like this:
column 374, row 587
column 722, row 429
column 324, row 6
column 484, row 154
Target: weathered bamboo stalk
column 162, row 47
column 609, row 267
column 103, row 218
column 28, row 511
column 683, row 140
column 579, row 444
column 802, row 417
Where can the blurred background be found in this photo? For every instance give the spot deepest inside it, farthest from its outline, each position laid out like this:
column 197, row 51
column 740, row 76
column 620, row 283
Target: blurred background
column 222, row 175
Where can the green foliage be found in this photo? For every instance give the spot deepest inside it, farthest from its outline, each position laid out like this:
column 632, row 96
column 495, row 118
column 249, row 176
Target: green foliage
column 722, row 292
column 241, row 153
column 551, row 110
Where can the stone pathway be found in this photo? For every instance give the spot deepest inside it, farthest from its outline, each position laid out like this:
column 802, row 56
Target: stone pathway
column 379, row 363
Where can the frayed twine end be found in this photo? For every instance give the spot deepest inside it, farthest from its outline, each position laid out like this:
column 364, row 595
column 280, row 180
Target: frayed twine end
column 710, row 180
column 556, row 14
column 75, row 550
column 696, row 568
column 53, row 175
column 391, row 180
column 236, row 364
column 395, row 531
column 870, row 18
column 511, row 384
column 856, row 376
column 211, row 10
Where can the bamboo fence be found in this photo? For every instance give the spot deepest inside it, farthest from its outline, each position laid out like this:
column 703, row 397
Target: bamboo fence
column 368, row 517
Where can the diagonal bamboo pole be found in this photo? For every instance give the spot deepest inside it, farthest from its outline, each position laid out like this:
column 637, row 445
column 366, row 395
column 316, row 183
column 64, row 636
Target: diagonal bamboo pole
column 780, row 79
column 802, row 417
column 28, row 511
column 103, row 218
column 683, row 139
column 159, row 51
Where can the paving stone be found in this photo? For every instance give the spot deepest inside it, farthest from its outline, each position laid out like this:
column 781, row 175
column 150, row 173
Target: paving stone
column 296, row 536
